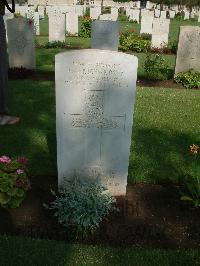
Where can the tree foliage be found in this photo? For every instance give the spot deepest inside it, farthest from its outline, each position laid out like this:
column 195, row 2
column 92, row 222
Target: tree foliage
column 178, row 2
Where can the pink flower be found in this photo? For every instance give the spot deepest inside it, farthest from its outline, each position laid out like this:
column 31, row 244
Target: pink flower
column 22, row 160
column 20, row 171
column 5, row 159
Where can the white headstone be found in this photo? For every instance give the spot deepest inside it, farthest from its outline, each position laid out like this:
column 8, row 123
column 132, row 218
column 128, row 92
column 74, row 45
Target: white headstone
column 72, row 24
column 95, row 95
column 187, row 15
column 138, row 4
column 134, row 14
column 41, row 11
column 188, row 49
column 56, row 27
column 105, row 35
column 160, row 32
column 95, row 12
column 21, row 45
column 192, row 14
column 37, row 23
column 30, row 13
column 157, row 13
column 172, row 13
column 146, row 12
column 114, row 13
column 146, row 24
column 79, row 9
column 199, row 18
column 163, row 14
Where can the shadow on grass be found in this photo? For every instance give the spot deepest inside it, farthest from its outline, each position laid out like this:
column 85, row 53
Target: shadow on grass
column 159, row 155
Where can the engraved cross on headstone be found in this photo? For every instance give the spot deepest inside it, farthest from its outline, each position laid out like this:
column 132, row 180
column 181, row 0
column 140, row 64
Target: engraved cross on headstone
column 93, row 115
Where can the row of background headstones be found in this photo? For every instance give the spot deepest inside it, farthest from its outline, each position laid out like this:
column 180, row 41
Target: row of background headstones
column 105, row 35
column 62, row 24
column 71, row 18
column 95, row 11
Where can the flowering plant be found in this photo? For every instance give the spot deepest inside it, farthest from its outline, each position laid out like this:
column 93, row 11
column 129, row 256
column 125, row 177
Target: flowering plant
column 14, row 182
column 191, row 181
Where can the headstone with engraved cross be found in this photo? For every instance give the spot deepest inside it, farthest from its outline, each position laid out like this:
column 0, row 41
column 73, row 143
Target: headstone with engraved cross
column 21, row 44
column 95, row 94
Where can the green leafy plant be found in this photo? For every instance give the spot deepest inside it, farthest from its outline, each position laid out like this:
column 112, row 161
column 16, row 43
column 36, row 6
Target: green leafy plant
column 191, row 180
column 55, row 44
column 123, row 17
column 189, row 80
column 81, row 205
column 156, row 67
column 146, row 36
column 85, row 30
column 14, row 182
column 173, row 46
column 130, row 41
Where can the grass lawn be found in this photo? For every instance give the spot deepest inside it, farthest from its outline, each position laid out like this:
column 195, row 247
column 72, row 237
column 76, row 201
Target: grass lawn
column 46, row 58
column 24, row 251
column 166, row 122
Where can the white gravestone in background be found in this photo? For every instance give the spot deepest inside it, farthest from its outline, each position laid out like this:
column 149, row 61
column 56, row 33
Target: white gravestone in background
column 163, row 14
column 134, row 14
column 95, row 95
column 56, row 27
column 146, row 24
column 188, row 49
column 21, row 44
column 95, row 12
column 157, row 13
column 72, row 24
column 187, row 15
column 114, row 13
column 160, row 32
column 105, row 35
column 41, row 11
column 37, row 23
column 172, row 13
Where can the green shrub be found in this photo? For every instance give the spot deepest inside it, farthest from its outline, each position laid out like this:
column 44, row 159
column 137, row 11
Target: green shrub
column 179, row 16
column 156, row 67
column 191, row 180
column 105, row 10
column 14, row 182
column 146, row 36
column 133, row 21
column 82, row 205
column 85, row 30
column 173, row 46
column 54, row 44
column 189, row 80
column 131, row 41
column 123, row 18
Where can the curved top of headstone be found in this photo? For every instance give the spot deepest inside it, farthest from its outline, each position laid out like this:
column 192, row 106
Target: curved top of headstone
column 113, row 54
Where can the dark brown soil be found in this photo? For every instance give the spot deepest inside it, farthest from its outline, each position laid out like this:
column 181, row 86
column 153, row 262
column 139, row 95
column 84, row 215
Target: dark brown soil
column 21, row 74
column 150, row 216
column 159, row 83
